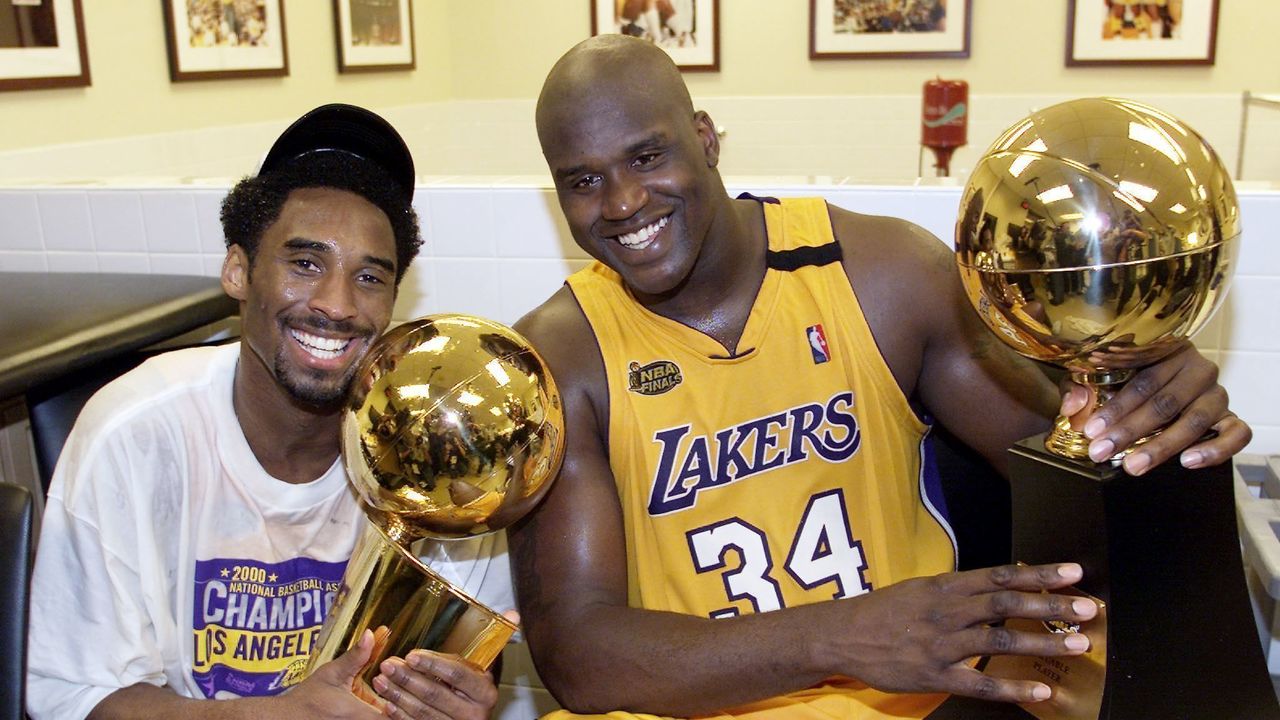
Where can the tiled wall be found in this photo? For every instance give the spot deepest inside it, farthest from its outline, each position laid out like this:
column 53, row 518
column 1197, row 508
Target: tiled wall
column 496, row 248
column 869, row 138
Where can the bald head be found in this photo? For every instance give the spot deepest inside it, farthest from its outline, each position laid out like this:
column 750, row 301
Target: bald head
column 610, row 72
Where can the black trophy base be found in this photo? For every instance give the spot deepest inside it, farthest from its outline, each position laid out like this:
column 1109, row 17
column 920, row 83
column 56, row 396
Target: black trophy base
column 1163, row 552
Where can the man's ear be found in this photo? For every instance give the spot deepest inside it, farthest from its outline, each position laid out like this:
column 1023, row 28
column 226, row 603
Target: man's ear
column 707, row 134
column 235, row 273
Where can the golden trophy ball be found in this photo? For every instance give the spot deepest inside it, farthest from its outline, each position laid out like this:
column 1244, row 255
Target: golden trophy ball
column 453, row 429
column 1097, row 235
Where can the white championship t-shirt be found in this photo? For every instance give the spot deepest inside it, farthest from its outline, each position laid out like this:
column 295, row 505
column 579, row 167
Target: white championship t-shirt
column 169, row 556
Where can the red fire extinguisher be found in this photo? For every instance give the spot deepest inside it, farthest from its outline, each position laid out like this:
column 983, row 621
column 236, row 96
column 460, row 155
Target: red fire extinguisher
column 944, row 121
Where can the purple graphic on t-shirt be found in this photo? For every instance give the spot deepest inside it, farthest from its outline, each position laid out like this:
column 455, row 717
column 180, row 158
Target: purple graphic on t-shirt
column 254, row 622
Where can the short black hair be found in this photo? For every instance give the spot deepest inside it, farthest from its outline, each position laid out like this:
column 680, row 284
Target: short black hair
column 255, row 202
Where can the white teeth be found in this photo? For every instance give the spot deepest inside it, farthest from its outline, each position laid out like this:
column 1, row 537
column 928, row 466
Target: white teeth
column 323, row 348
column 641, row 238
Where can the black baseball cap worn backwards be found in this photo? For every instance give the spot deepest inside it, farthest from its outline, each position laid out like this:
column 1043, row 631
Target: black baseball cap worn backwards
column 342, row 128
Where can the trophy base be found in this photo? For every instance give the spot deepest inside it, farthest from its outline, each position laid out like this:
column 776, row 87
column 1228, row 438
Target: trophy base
column 389, row 591
column 1163, row 552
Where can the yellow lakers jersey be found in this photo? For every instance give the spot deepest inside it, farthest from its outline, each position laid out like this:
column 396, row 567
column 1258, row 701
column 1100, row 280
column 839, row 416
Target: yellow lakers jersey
column 791, row 472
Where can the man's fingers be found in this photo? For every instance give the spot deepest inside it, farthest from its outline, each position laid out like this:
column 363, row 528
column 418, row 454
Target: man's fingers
column 1180, row 395
column 1001, row 640
column 430, row 684
column 1010, row 577
column 347, row 665
column 1232, row 435
column 962, row 680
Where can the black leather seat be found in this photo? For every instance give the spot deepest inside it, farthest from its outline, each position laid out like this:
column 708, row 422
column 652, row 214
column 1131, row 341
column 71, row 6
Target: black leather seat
column 978, row 503
column 54, row 406
column 16, row 518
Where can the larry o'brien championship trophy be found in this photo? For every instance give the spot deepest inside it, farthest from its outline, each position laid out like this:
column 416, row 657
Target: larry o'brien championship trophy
column 1098, row 235
column 453, row 429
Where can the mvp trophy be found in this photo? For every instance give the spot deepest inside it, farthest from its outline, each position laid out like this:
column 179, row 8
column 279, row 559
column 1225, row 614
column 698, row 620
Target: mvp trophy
column 1098, row 235
column 453, row 429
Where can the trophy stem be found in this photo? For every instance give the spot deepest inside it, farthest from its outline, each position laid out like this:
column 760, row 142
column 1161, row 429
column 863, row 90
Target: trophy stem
column 1067, row 438
column 387, row 590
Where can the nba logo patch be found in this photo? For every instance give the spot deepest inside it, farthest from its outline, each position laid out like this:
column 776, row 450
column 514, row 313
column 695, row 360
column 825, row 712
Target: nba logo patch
column 817, row 344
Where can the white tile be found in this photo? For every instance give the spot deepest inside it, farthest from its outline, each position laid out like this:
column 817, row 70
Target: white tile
column 135, row 263
column 212, row 263
column 22, row 261
column 1259, row 218
column 1250, row 380
column 1253, row 323
column 417, row 294
column 21, row 227
column 117, row 221
column 72, row 262
column 1266, row 440
column 64, row 218
column 468, row 286
column 528, row 223
column 170, row 219
column 528, row 283
column 176, row 264
column 208, row 205
column 459, row 222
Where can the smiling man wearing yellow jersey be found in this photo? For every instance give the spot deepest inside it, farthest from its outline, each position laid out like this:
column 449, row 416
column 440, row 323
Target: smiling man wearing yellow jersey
column 745, row 523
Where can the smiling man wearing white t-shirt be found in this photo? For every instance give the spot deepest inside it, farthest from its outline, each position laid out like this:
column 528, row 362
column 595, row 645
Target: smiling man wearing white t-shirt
column 199, row 520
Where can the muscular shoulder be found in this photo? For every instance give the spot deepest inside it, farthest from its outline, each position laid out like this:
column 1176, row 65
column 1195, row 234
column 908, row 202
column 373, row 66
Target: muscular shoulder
column 889, row 248
column 905, row 281
column 560, row 332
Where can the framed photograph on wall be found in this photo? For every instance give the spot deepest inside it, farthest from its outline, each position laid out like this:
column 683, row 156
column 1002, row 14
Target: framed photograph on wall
column 1120, row 32
column 217, row 39
column 374, row 35
column 863, row 29
column 689, row 30
column 42, row 45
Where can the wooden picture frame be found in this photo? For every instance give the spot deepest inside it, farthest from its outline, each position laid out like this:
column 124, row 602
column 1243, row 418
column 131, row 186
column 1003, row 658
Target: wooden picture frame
column 688, row 30
column 374, row 36
column 1105, row 33
column 861, row 29
column 213, row 40
column 42, row 45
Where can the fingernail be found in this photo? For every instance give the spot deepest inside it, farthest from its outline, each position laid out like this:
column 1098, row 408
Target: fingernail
column 1040, row 692
column 1069, row 570
column 415, row 660
column 1094, row 427
column 1137, row 463
column 1082, row 606
column 380, row 684
column 387, row 667
column 1192, row 459
column 1076, row 642
column 1100, row 450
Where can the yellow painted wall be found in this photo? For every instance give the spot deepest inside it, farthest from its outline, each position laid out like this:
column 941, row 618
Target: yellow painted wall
column 1017, row 47
column 489, row 49
column 131, row 92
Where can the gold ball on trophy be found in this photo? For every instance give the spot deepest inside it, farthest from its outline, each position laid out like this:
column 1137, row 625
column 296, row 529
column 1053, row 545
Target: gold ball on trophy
column 453, row 429
column 1097, row 235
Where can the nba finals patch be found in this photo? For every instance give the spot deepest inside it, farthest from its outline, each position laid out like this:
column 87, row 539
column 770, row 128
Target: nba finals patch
column 818, row 344
column 655, row 378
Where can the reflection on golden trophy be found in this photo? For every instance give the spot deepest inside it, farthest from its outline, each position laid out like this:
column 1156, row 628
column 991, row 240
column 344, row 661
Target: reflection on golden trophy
column 1097, row 235
column 453, row 429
